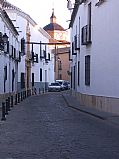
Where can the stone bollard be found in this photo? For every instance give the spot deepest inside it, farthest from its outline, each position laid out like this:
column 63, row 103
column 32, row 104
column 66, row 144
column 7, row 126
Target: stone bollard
column 3, row 111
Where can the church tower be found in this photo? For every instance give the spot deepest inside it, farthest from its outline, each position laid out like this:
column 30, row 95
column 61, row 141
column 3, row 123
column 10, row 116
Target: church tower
column 61, row 52
column 55, row 30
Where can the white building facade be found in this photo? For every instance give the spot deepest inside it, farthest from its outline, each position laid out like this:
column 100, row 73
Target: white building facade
column 36, row 68
column 94, row 53
column 9, row 56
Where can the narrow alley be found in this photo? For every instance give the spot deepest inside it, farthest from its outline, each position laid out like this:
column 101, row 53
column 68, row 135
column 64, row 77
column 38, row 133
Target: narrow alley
column 44, row 127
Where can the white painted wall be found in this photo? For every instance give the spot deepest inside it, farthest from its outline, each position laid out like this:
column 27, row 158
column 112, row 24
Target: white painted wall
column 104, row 50
column 37, row 35
column 5, row 60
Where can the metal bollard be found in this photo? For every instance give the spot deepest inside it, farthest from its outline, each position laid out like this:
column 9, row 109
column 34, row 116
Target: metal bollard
column 21, row 96
column 24, row 94
column 12, row 101
column 6, row 112
column 16, row 99
column 29, row 92
column 3, row 111
column 39, row 90
column 8, row 103
column 43, row 90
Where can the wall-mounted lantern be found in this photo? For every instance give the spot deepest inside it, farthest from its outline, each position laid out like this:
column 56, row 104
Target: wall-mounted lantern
column 5, row 38
column 4, row 44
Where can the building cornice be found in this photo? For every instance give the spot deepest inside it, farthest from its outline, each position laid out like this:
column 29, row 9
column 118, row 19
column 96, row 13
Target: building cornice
column 75, row 10
column 6, row 17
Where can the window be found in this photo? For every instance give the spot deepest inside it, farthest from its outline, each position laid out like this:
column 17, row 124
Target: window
column 78, row 72
column 60, row 76
column 32, row 79
column 86, row 35
column 40, row 74
column 5, row 73
column 13, row 76
column 14, row 52
column 49, row 56
column 74, row 76
column 5, row 77
column 23, row 46
column 71, row 76
column 59, row 65
column 89, row 14
column 87, row 70
column 86, row 30
column 73, row 53
column 22, row 80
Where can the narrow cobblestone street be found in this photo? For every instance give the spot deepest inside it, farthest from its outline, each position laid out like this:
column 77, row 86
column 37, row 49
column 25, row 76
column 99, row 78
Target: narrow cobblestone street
column 44, row 127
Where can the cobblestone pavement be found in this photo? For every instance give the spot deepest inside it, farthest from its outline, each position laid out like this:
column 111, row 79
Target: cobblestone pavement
column 44, row 127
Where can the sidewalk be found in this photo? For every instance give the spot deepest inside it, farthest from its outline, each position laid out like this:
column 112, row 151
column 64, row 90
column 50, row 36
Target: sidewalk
column 74, row 103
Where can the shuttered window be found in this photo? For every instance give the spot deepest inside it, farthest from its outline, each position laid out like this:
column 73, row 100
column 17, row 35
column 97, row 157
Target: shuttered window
column 78, row 72
column 41, row 74
column 13, row 76
column 32, row 79
column 22, row 81
column 87, row 70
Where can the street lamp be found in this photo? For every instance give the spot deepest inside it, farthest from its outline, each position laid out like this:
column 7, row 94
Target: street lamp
column 1, row 42
column 5, row 42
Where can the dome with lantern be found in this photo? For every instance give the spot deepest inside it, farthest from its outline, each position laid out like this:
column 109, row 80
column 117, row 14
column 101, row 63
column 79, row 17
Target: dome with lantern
column 55, row 30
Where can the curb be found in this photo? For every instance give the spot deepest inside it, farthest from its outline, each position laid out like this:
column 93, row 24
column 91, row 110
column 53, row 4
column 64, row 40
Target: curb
column 82, row 110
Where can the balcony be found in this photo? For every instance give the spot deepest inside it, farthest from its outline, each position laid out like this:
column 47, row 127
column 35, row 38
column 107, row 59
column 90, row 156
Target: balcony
column 42, row 54
column 18, row 58
column 34, row 57
column 86, row 35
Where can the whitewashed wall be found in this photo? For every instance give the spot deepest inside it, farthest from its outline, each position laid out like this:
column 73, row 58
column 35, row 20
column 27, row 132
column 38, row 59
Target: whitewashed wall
column 37, row 35
column 104, row 50
column 6, row 60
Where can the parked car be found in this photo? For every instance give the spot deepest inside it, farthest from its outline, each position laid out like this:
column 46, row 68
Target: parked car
column 61, row 82
column 54, row 87
column 68, row 84
column 64, row 84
